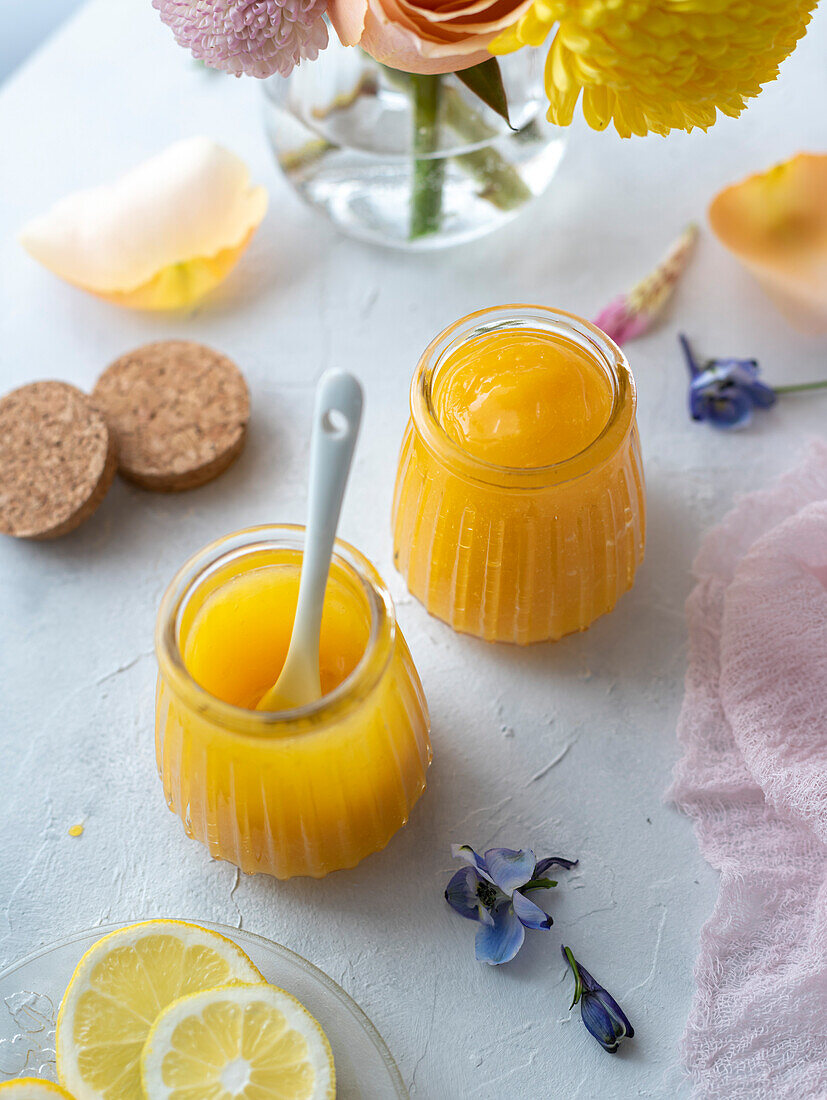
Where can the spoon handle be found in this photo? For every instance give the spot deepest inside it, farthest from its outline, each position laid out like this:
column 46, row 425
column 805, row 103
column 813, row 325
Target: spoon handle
column 336, row 420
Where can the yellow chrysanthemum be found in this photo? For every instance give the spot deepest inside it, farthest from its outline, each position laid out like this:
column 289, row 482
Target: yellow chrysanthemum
column 658, row 65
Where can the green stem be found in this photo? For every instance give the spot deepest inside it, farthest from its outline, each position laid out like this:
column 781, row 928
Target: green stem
column 801, row 387
column 540, row 884
column 306, row 155
column 428, row 170
column 578, row 981
column 502, row 184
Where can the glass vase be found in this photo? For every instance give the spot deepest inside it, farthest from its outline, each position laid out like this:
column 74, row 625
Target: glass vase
column 414, row 162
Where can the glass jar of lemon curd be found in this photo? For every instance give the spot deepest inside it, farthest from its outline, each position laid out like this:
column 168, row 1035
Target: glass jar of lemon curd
column 519, row 509
column 298, row 792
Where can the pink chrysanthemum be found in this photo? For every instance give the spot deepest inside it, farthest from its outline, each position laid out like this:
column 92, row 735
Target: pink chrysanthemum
column 256, row 37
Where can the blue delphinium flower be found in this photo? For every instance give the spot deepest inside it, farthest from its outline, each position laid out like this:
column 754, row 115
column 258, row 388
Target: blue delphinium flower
column 725, row 391
column 492, row 890
column 600, row 1012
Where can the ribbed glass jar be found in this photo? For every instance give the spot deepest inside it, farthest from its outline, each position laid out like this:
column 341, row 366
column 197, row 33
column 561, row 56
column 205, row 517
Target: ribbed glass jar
column 520, row 554
column 299, row 792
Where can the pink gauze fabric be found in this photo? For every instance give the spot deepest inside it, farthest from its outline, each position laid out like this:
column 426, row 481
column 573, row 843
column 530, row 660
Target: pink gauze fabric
column 753, row 778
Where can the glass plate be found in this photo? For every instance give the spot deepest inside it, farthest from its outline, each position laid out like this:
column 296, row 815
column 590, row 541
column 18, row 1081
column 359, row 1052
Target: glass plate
column 31, row 990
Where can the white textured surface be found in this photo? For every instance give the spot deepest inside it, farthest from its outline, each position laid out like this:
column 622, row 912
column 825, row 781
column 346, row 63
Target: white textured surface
column 565, row 747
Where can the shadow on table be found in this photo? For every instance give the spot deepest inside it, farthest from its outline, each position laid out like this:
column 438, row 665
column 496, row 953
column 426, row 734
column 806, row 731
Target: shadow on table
column 643, row 633
column 283, row 253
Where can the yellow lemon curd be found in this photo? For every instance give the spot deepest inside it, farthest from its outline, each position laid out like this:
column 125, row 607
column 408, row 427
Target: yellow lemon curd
column 299, row 792
column 237, row 641
column 522, row 398
column 519, row 505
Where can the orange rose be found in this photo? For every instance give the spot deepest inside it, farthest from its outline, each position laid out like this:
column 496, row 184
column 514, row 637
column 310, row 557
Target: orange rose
column 424, row 36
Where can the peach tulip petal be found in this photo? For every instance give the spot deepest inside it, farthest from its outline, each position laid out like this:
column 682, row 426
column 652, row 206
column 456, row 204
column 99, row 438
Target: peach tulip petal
column 348, row 19
column 425, row 36
column 497, row 15
column 488, row 22
column 475, row 9
column 161, row 236
column 497, row 20
column 391, row 44
column 775, row 223
column 396, row 14
column 452, row 8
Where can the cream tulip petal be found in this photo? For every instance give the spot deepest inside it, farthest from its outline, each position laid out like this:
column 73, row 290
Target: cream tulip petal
column 179, row 285
column 191, row 202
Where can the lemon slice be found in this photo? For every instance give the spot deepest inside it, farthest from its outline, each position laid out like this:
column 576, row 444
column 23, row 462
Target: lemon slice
column 120, row 986
column 32, row 1088
column 252, row 1042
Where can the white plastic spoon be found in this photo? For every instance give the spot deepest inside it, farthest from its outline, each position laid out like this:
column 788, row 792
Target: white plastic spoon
column 336, row 420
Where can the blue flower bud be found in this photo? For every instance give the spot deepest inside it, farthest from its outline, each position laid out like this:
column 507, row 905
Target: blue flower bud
column 599, row 1011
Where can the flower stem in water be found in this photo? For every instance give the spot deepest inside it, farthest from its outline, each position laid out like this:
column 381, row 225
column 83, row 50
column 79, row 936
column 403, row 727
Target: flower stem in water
column 428, row 171
column 501, row 183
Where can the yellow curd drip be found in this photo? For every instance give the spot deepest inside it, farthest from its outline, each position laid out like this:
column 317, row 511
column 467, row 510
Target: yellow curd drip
column 522, row 398
column 237, row 641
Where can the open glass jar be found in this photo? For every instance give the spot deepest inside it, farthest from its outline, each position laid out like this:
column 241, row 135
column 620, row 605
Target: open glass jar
column 413, row 162
column 298, row 792
column 520, row 554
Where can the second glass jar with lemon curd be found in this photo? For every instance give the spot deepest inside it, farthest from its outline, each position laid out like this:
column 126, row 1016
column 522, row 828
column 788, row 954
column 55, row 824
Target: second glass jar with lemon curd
column 519, row 509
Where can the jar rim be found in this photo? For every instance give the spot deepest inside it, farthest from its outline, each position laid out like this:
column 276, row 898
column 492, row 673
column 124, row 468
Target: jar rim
column 496, row 318
column 297, row 721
